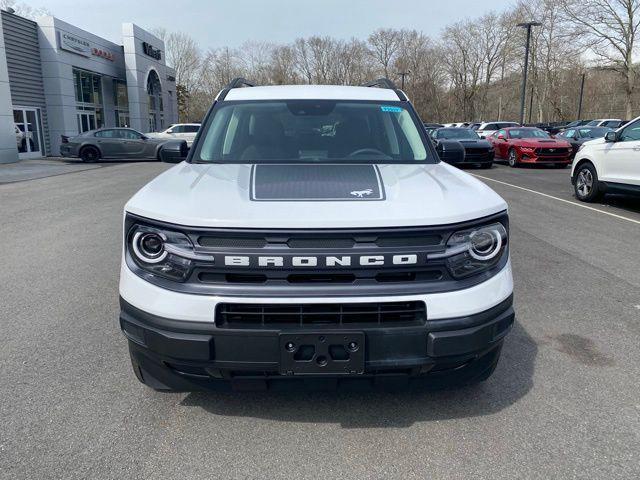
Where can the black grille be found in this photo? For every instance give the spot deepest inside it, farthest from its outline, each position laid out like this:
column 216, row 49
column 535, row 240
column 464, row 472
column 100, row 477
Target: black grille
column 239, row 315
column 477, row 151
column 320, row 241
column 552, row 152
column 232, row 242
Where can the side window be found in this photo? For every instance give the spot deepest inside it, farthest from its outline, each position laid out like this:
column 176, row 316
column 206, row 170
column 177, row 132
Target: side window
column 631, row 133
column 129, row 135
column 106, row 134
column 177, row 129
column 568, row 133
column 191, row 128
column 502, row 132
column 491, row 126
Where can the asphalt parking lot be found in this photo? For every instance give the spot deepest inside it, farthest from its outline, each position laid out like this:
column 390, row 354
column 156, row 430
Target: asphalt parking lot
column 563, row 403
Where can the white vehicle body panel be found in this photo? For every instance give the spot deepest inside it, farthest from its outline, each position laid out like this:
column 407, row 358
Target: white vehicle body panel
column 201, row 308
column 312, row 92
column 218, row 195
column 615, row 162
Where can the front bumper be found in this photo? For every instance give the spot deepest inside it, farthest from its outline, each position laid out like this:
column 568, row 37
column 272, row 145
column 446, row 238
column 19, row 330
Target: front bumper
column 547, row 159
column 186, row 355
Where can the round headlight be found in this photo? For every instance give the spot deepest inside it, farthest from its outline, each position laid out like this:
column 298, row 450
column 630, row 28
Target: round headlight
column 485, row 244
column 149, row 247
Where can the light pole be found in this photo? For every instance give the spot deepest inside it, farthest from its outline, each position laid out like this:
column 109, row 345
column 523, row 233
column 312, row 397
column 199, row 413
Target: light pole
column 528, row 26
column 402, row 75
column 580, row 99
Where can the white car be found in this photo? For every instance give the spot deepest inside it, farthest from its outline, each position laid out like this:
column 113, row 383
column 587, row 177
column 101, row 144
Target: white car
column 608, row 165
column 457, row 125
column 487, row 129
column 313, row 236
column 605, row 122
column 179, row 131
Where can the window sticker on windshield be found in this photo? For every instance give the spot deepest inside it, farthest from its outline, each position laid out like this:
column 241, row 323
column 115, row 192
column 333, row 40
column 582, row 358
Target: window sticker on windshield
column 389, row 108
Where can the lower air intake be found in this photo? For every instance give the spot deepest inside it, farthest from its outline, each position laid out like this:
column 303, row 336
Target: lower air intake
column 246, row 315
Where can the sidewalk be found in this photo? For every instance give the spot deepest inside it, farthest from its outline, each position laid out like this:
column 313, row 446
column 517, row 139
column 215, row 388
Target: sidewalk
column 41, row 168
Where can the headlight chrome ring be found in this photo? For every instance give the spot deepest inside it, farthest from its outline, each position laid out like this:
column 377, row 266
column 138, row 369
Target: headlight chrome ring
column 149, row 247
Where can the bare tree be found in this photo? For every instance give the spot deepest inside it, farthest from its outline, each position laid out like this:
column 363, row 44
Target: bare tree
column 383, row 45
column 609, row 28
column 23, row 9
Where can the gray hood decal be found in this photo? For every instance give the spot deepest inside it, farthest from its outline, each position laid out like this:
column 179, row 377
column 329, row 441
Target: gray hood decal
column 316, row 182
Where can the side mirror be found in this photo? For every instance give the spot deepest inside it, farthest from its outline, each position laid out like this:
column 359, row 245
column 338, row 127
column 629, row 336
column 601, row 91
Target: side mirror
column 611, row 137
column 170, row 131
column 500, row 137
column 174, row 151
column 144, row 137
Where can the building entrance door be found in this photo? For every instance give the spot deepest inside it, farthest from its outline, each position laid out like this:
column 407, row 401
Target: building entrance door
column 86, row 121
column 28, row 133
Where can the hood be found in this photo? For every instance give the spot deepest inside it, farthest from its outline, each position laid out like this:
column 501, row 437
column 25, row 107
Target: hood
column 476, row 143
column 222, row 195
column 542, row 143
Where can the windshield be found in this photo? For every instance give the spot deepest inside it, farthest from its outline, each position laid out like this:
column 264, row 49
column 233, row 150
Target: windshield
column 528, row 133
column 596, row 132
column 312, row 131
column 457, row 134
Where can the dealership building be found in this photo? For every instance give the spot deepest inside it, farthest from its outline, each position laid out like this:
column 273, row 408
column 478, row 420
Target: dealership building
column 59, row 80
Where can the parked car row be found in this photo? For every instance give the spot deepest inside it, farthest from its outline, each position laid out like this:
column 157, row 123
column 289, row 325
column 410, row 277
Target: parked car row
column 604, row 153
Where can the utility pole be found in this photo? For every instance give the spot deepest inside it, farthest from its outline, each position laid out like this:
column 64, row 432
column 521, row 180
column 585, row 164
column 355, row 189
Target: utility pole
column 528, row 26
column 580, row 100
column 402, row 75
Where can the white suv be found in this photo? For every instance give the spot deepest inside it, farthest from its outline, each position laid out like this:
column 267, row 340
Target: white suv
column 487, row 129
column 313, row 236
column 608, row 165
column 179, row 131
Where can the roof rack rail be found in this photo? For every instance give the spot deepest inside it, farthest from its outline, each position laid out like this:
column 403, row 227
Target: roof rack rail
column 386, row 83
column 381, row 83
column 237, row 82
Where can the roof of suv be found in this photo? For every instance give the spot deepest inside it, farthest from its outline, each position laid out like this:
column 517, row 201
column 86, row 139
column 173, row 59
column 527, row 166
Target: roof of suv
column 312, row 92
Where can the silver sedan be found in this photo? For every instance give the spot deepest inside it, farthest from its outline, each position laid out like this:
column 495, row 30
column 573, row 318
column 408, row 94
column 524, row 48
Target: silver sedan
column 112, row 143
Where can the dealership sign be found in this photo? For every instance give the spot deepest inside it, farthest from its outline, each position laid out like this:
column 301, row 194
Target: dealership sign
column 82, row 46
column 75, row 44
column 151, row 51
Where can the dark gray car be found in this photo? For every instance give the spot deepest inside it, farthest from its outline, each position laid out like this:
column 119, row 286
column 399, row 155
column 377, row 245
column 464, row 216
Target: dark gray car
column 112, row 143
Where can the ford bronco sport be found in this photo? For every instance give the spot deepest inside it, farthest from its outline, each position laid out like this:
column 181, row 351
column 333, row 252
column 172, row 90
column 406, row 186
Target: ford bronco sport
column 312, row 236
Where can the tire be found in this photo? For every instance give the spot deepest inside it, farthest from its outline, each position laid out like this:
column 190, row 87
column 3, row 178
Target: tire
column 89, row 154
column 512, row 158
column 586, row 185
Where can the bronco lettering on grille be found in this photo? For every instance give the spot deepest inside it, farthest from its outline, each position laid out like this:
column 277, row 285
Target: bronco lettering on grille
column 323, row 261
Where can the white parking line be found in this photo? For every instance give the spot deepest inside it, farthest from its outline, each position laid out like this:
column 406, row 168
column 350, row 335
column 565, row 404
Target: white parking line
column 559, row 199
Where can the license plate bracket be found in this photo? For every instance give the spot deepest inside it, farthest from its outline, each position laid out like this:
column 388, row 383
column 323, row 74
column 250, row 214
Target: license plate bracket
column 322, row 353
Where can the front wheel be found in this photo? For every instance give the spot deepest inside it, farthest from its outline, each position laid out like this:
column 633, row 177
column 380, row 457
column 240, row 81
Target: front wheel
column 512, row 158
column 586, row 186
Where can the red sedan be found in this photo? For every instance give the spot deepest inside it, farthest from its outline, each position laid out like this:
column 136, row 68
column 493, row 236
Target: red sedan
column 519, row 145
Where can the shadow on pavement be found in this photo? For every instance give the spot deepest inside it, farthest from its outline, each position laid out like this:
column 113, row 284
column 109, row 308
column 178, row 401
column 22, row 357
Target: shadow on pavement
column 510, row 382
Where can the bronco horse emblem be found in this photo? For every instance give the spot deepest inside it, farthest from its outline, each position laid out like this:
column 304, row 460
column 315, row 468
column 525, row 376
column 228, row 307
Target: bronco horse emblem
column 361, row 193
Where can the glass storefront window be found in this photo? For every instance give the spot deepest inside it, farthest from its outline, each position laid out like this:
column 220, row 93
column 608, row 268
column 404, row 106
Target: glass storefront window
column 88, row 93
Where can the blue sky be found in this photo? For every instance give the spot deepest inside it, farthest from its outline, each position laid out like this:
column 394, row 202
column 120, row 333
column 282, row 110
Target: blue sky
column 215, row 23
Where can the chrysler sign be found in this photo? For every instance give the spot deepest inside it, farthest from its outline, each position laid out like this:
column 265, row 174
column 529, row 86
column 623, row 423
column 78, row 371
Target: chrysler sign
column 84, row 47
column 75, row 44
